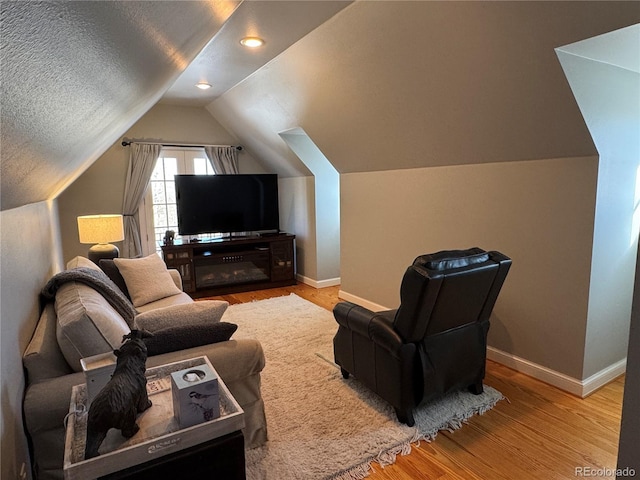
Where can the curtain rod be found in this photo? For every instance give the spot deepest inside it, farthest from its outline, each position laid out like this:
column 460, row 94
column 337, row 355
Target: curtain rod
column 126, row 143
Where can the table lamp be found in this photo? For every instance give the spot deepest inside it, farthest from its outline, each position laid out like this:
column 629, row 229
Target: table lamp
column 100, row 230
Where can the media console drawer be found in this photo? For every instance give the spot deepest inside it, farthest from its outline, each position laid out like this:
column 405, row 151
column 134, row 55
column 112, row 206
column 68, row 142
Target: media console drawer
column 233, row 265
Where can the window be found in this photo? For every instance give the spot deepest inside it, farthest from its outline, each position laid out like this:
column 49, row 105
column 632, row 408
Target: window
column 158, row 212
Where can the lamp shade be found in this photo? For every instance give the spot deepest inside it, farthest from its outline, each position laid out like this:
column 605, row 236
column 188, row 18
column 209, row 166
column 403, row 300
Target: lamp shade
column 100, row 228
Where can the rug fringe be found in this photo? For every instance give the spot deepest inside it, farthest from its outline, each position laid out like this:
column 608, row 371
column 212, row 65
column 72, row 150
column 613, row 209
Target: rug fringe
column 388, row 457
column 356, row 473
column 456, row 423
column 384, row 458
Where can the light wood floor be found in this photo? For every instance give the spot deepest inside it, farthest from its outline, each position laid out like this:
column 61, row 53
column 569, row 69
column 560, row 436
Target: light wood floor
column 540, row 433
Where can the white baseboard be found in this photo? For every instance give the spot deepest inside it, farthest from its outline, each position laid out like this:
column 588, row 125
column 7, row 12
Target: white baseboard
column 361, row 301
column 580, row 388
column 604, row 376
column 331, row 282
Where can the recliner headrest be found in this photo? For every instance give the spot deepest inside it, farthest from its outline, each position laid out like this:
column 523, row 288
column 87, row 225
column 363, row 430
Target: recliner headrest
column 448, row 259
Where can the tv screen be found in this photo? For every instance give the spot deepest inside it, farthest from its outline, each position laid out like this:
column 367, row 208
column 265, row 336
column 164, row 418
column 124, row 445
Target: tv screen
column 227, row 203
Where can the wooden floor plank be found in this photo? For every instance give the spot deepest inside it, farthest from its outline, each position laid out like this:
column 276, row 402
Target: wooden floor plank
column 540, row 432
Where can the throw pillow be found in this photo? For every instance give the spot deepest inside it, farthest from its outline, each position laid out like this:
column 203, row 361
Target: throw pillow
column 203, row 312
column 87, row 324
column 147, row 279
column 108, row 266
column 180, row 338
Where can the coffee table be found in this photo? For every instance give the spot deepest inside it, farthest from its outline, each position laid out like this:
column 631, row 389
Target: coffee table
column 160, row 447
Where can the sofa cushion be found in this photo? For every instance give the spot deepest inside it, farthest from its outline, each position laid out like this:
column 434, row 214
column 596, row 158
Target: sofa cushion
column 195, row 313
column 43, row 358
column 87, row 324
column 109, row 267
column 179, row 299
column 147, row 279
column 177, row 338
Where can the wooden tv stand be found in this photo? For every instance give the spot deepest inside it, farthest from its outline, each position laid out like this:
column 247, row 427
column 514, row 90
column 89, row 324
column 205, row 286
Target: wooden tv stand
column 232, row 265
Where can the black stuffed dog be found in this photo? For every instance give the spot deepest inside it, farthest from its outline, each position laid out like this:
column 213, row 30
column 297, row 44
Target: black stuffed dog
column 125, row 395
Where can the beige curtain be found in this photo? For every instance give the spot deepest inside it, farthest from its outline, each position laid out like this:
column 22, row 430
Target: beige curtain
column 142, row 160
column 223, row 159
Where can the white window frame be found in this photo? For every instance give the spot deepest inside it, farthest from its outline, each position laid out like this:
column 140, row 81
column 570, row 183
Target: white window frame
column 185, row 158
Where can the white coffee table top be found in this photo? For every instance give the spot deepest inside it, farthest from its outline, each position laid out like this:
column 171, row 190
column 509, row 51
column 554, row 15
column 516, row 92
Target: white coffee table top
column 159, row 431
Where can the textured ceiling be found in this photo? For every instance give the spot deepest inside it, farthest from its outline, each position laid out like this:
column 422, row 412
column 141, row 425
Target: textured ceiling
column 224, row 62
column 382, row 85
column 76, row 75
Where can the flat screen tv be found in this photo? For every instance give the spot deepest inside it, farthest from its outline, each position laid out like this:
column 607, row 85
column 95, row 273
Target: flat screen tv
column 227, row 203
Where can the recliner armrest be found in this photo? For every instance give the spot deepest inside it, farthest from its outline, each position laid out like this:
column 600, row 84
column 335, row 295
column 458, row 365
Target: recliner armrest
column 377, row 326
column 354, row 317
column 382, row 333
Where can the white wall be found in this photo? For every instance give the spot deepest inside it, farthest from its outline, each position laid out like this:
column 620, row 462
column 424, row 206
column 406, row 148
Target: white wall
column 609, row 98
column 29, row 256
column 326, row 205
column 540, row 213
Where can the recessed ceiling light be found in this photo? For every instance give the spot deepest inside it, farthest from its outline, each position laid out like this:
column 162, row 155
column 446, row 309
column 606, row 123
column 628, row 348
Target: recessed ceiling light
column 203, row 85
column 252, row 42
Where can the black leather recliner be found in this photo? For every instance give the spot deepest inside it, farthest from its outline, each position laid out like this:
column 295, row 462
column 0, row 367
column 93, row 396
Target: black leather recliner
column 436, row 341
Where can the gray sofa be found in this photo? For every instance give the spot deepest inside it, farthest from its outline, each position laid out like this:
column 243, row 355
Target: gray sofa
column 51, row 371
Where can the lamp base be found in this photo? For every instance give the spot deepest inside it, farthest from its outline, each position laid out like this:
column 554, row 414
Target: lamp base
column 103, row 250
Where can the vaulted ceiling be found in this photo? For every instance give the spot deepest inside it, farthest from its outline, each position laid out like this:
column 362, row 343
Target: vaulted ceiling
column 77, row 75
column 397, row 85
column 224, row 62
column 377, row 85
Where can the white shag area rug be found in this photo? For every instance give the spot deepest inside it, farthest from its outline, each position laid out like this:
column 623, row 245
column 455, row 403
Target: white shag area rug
column 321, row 426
